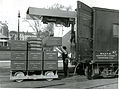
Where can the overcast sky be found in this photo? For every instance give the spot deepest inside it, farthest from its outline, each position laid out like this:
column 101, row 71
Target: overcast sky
column 9, row 8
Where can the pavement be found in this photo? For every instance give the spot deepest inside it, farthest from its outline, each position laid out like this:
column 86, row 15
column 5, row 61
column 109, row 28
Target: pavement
column 92, row 84
column 77, row 81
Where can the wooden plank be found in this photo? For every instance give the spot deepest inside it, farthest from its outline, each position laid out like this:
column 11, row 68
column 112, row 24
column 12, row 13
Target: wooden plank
column 49, row 12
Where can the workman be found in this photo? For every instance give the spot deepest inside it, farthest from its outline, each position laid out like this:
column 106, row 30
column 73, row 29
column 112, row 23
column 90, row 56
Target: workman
column 65, row 61
column 89, row 69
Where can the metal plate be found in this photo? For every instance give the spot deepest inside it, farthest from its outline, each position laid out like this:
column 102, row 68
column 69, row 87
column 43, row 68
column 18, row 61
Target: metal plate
column 18, row 45
column 35, row 55
column 18, row 55
column 34, row 65
column 50, row 55
column 18, row 65
column 50, row 65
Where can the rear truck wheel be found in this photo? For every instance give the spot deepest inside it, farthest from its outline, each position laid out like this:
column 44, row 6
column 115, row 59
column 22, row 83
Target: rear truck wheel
column 19, row 75
column 104, row 73
column 107, row 73
column 34, row 77
column 49, row 74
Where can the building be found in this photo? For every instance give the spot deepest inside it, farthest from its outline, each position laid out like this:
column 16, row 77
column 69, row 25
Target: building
column 23, row 35
column 28, row 34
column 13, row 35
column 4, row 29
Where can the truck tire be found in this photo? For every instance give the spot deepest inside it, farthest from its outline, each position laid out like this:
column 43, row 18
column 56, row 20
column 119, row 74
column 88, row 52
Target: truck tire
column 19, row 74
column 105, row 73
column 49, row 73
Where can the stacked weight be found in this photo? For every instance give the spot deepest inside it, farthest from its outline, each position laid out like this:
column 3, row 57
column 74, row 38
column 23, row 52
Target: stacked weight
column 35, row 54
column 5, row 53
column 50, row 60
column 18, row 55
column 30, row 61
column 52, row 41
column 51, row 56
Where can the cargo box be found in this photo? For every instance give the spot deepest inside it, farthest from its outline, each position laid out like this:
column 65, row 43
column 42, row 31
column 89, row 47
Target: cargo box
column 4, row 48
column 17, row 45
column 35, row 65
column 106, row 37
column 18, row 65
column 50, row 65
column 35, row 55
column 5, row 55
column 34, row 39
column 34, row 42
column 51, row 56
column 18, row 55
column 35, row 49
column 35, row 45
column 52, row 41
column 97, row 34
column 47, row 48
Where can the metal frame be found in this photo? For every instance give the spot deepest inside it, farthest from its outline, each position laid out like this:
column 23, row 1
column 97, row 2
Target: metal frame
column 41, row 76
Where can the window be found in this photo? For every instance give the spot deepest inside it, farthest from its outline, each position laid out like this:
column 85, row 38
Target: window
column 1, row 44
column 115, row 30
column 5, row 44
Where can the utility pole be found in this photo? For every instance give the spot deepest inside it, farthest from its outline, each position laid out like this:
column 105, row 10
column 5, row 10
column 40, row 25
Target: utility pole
column 18, row 25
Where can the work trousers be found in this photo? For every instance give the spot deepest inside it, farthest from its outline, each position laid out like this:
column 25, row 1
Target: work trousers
column 65, row 68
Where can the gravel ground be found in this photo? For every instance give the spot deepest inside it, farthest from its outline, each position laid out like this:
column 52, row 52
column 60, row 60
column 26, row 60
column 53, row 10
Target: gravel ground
column 71, row 82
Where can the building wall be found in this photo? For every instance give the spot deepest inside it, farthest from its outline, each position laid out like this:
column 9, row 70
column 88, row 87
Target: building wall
column 26, row 36
column 4, row 29
column 13, row 35
column 23, row 35
column 66, row 41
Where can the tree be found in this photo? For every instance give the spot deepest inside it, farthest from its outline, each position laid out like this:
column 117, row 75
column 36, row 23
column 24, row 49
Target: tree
column 60, row 7
column 36, row 26
column 50, row 29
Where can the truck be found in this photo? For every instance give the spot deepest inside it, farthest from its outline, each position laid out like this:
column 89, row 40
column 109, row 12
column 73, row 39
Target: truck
column 31, row 60
column 97, row 40
column 94, row 44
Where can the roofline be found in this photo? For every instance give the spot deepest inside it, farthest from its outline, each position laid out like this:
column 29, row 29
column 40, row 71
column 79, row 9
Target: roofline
column 105, row 9
column 3, row 40
column 50, row 12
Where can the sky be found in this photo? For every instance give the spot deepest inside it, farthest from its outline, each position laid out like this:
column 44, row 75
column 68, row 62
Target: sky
column 9, row 9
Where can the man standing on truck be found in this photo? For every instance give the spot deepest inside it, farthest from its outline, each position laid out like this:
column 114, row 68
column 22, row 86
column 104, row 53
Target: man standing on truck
column 65, row 61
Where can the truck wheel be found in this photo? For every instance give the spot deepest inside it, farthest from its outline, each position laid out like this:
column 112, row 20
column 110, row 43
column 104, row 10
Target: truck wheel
column 105, row 73
column 50, row 74
column 20, row 75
